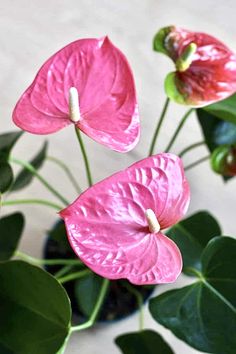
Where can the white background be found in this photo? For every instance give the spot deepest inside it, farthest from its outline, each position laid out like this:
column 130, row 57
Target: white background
column 30, row 32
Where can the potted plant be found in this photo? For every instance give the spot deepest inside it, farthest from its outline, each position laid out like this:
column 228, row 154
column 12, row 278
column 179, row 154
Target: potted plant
column 125, row 234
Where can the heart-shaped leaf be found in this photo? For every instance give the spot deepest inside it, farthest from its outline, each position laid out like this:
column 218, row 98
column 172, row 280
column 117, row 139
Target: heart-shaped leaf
column 25, row 177
column 225, row 109
column 11, row 227
column 87, row 290
column 143, row 342
column 6, row 176
column 204, row 314
column 215, row 131
column 34, row 310
column 7, row 141
column 192, row 235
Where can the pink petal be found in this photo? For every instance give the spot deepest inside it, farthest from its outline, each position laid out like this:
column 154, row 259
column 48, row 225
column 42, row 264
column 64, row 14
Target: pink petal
column 107, row 97
column 108, row 230
column 211, row 76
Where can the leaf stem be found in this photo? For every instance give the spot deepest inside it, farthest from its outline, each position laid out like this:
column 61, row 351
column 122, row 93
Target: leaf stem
column 191, row 165
column 191, row 147
column 75, row 275
column 158, row 127
column 34, row 172
column 139, row 299
column 176, row 133
column 33, row 201
column 96, row 309
column 38, row 261
column 86, row 162
column 67, row 171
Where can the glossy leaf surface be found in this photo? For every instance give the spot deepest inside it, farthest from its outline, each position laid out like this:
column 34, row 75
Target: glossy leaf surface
column 34, row 308
column 7, row 141
column 108, row 229
column 147, row 341
column 87, row 290
column 204, row 314
column 107, row 99
column 11, row 227
column 216, row 131
column 225, row 109
column 6, row 176
column 24, row 177
column 192, row 235
column 206, row 75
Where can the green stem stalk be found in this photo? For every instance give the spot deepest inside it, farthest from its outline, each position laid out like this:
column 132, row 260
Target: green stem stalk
column 34, row 172
column 33, row 201
column 68, row 172
column 160, row 121
column 176, row 133
column 96, row 309
column 73, row 276
column 139, row 298
column 191, row 147
column 86, row 162
column 191, row 165
column 37, row 261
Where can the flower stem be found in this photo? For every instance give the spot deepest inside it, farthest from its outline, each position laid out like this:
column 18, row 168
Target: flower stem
column 139, row 298
column 96, row 309
column 191, row 147
column 38, row 261
column 176, row 133
column 160, row 121
column 67, row 171
column 88, row 173
column 33, row 201
column 34, row 172
column 191, row 165
column 63, row 271
column 75, row 275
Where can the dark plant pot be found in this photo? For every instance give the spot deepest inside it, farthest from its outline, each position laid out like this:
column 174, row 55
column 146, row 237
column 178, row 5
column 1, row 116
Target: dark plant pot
column 120, row 302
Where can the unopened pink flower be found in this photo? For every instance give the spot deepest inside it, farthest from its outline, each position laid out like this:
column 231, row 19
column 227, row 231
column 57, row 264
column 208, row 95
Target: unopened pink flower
column 205, row 67
column 116, row 226
column 88, row 83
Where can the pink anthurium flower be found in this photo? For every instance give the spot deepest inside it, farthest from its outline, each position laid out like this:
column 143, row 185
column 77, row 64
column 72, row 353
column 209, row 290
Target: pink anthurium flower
column 205, row 67
column 88, row 83
column 116, row 226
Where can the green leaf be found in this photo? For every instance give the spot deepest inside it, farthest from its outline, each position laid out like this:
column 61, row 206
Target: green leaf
column 11, row 227
column 87, row 290
column 7, row 141
column 192, row 235
column 215, row 131
column 34, row 310
column 204, row 314
column 6, row 176
column 143, row 342
column 25, row 177
column 225, row 109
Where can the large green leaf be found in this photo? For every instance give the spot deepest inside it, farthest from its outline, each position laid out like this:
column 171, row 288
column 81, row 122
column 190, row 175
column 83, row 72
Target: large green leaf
column 7, row 141
column 6, row 176
column 192, row 235
column 204, row 314
column 215, row 131
column 87, row 290
column 143, row 342
column 25, row 177
column 225, row 109
column 34, row 310
column 11, row 227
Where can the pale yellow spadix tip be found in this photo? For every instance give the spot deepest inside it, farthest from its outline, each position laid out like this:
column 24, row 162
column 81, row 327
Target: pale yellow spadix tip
column 153, row 223
column 74, row 105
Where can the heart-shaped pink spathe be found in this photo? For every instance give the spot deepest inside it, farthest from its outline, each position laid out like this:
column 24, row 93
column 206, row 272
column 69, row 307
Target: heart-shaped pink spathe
column 108, row 229
column 107, row 99
column 211, row 75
